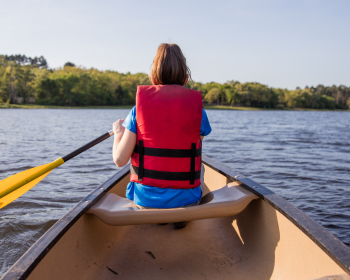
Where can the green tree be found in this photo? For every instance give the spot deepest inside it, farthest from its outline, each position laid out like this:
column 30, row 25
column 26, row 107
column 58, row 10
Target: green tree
column 8, row 82
column 212, row 96
column 69, row 64
column 232, row 96
column 22, row 76
column 119, row 94
column 25, row 83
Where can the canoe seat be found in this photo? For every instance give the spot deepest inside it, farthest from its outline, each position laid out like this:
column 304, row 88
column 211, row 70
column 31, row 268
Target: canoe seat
column 227, row 201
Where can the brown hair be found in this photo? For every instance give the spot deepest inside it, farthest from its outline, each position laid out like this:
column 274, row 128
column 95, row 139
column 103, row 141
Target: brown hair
column 169, row 66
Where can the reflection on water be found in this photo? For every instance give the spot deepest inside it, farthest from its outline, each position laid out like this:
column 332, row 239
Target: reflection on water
column 302, row 156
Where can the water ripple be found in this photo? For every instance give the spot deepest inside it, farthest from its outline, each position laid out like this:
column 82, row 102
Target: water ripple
column 302, row 156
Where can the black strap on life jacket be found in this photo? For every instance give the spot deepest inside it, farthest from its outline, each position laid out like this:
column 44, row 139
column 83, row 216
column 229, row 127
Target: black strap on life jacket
column 164, row 175
column 176, row 153
column 193, row 163
column 141, row 151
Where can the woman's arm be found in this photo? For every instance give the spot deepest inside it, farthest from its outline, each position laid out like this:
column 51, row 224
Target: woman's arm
column 123, row 145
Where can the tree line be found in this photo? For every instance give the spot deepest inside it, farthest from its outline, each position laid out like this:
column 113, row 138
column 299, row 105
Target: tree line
column 25, row 79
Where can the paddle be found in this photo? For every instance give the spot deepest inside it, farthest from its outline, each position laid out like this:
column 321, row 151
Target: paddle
column 14, row 186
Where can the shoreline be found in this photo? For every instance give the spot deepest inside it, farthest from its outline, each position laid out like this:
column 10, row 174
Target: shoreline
column 207, row 107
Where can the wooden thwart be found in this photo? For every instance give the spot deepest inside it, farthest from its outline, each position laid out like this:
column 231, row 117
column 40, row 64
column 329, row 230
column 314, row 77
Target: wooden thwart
column 227, row 201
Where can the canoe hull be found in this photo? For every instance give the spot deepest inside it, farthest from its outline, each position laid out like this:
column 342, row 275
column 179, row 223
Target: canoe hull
column 270, row 239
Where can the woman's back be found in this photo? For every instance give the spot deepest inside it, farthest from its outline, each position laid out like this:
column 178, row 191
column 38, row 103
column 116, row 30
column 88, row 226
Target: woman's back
column 165, row 128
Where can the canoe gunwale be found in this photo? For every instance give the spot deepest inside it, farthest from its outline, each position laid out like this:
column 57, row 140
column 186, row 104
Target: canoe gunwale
column 27, row 263
column 326, row 241
column 332, row 246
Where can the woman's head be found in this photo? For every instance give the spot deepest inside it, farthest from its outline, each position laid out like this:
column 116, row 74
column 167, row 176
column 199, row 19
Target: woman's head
column 169, row 66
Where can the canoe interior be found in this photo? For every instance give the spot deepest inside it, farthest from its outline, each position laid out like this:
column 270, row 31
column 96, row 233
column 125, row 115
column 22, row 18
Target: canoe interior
column 259, row 243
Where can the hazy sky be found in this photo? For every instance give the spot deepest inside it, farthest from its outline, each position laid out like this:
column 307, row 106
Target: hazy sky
column 279, row 43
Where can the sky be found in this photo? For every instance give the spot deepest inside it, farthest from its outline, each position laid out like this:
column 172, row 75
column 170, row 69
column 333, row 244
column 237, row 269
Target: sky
column 279, row 43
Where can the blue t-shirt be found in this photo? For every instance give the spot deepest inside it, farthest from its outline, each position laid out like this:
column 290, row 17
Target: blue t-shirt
column 154, row 197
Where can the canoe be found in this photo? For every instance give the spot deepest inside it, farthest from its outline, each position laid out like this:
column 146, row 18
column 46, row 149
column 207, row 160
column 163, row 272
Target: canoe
column 241, row 230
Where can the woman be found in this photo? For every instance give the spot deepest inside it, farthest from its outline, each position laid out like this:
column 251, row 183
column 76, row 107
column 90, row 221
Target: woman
column 163, row 136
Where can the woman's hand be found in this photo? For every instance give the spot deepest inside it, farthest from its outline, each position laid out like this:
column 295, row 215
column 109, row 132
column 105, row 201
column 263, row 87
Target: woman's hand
column 124, row 143
column 118, row 128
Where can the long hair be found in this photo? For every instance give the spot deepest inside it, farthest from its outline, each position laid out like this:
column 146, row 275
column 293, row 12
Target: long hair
column 169, row 66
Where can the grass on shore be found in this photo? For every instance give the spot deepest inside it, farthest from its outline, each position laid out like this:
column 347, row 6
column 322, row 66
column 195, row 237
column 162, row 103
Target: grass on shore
column 223, row 107
column 36, row 106
column 207, row 107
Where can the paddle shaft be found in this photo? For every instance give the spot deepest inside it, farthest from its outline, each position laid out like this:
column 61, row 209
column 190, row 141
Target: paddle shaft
column 88, row 145
column 47, row 168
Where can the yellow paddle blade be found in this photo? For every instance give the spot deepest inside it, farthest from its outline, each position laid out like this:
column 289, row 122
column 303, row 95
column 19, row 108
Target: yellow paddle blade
column 22, row 190
column 19, row 180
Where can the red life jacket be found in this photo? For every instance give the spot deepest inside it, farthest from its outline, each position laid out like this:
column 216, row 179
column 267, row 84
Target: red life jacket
column 168, row 148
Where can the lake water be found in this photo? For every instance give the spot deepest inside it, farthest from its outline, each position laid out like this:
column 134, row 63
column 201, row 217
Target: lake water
column 302, row 156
